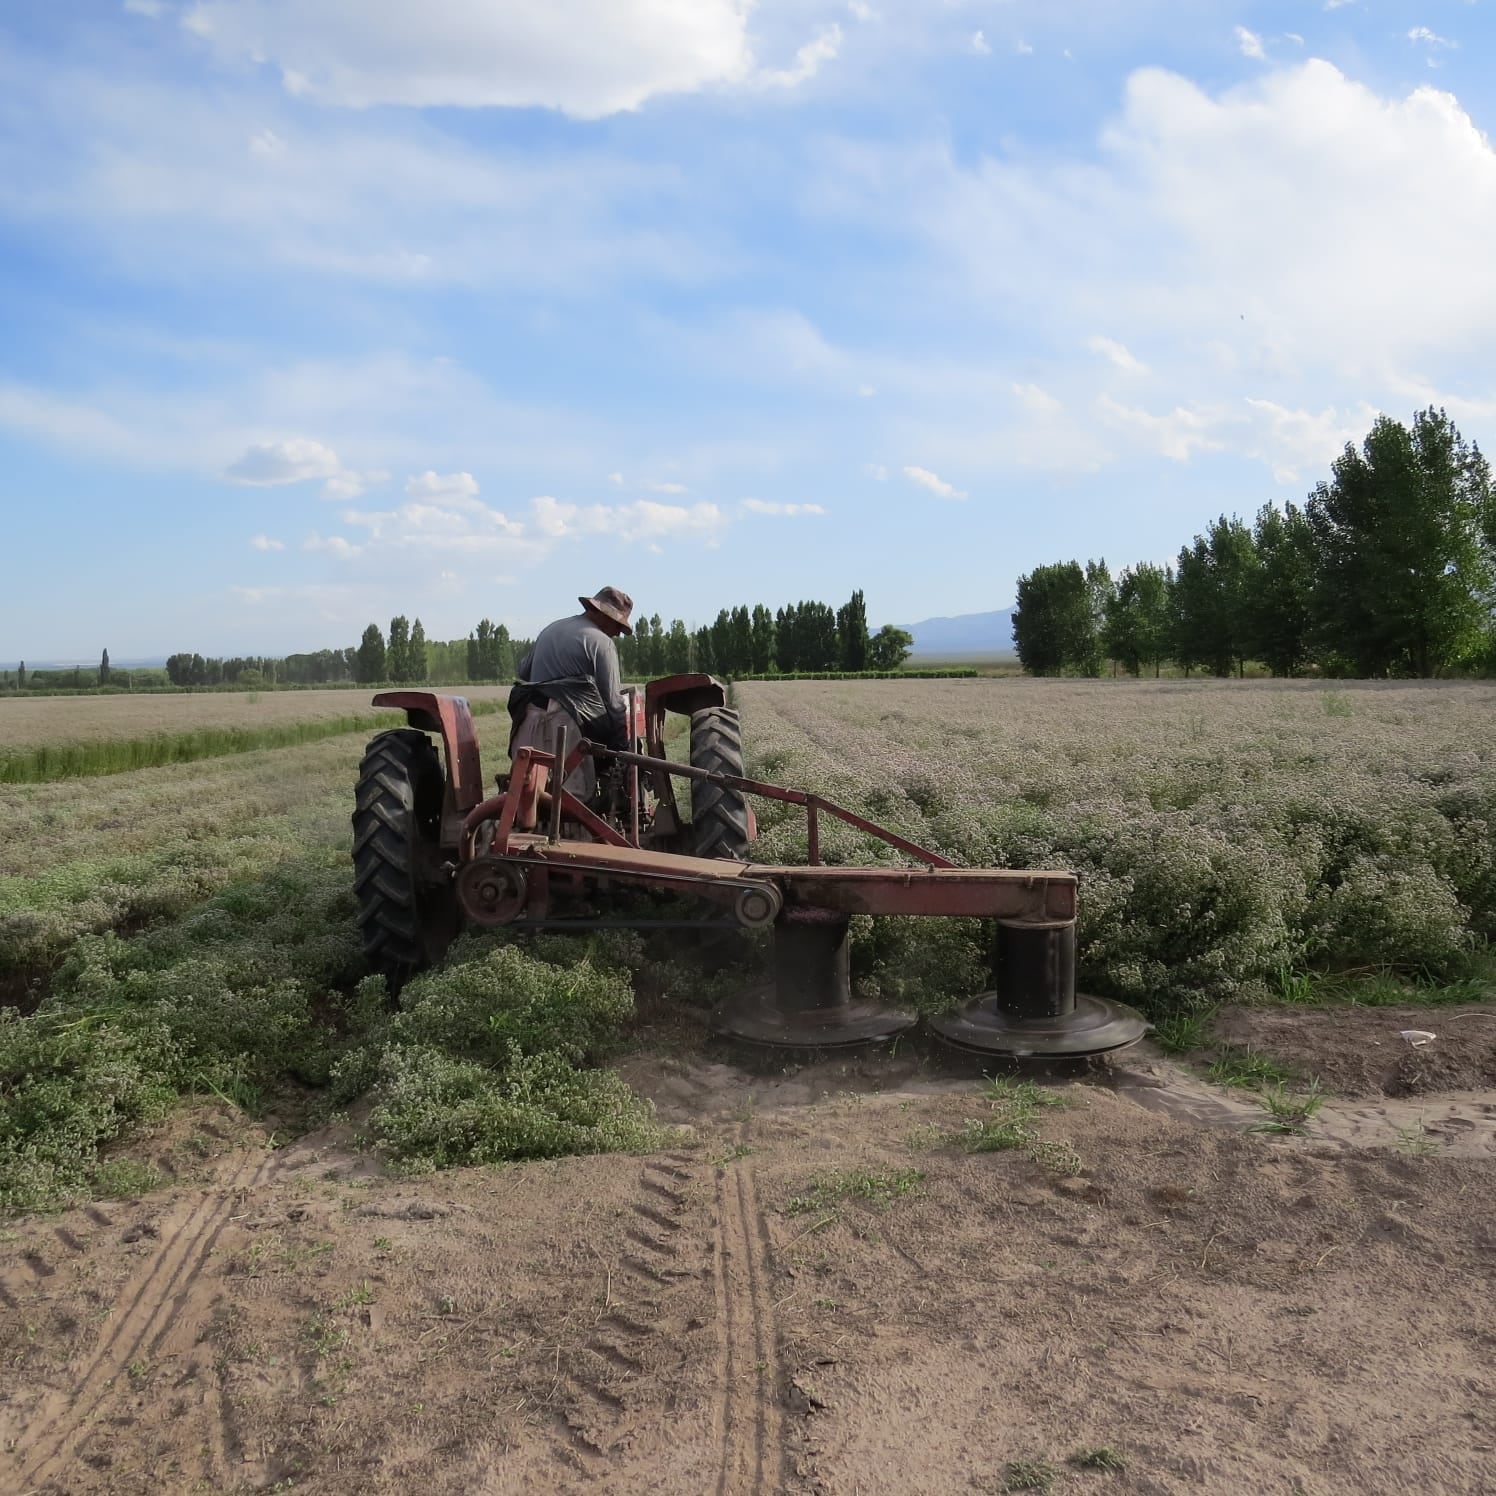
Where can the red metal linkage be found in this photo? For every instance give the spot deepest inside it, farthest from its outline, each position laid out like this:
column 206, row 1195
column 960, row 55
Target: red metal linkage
column 811, row 803
column 506, row 806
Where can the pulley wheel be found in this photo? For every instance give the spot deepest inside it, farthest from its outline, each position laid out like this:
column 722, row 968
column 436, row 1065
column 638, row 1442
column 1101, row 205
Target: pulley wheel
column 492, row 891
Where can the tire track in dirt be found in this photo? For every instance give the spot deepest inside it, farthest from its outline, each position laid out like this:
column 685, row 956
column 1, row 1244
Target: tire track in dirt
column 601, row 1409
column 150, row 1303
column 746, row 1425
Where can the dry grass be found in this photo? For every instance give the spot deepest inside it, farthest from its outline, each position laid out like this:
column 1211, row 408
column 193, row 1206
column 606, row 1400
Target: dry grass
column 31, row 722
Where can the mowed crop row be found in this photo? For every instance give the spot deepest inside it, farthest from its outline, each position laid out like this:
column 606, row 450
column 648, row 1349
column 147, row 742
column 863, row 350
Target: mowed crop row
column 31, row 722
column 1229, row 835
column 191, row 930
column 115, row 735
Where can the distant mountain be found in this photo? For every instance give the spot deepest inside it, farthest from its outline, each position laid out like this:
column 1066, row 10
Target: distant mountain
column 967, row 633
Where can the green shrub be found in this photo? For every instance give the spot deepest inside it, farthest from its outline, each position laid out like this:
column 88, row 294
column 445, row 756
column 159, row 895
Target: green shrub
column 927, row 965
column 436, row 1111
column 509, row 1001
column 68, row 1084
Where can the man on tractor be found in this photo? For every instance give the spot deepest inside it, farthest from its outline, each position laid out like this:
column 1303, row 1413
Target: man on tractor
column 571, row 677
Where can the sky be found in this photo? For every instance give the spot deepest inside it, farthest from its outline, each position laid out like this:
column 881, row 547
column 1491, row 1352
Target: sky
column 316, row 311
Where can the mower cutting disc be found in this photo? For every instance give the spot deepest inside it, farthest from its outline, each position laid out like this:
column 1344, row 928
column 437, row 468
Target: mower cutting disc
column 1094, row 1026
column 808, row 1004
column 758, row 1019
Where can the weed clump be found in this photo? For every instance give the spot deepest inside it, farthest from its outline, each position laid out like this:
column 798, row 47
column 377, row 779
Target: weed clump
column 68, row 1084
column 486, row 1063
column 1098, row 1459
column 1028, row 1475
column 508, row 1002
column 436, row 1110
column 873, row 1187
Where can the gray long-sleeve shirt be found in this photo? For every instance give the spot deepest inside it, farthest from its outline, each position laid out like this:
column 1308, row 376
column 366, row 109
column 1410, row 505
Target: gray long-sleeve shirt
column 576, row 664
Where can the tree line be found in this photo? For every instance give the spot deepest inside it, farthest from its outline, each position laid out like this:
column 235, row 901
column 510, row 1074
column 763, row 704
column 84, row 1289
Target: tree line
column 802, row 637
column 1387, row 569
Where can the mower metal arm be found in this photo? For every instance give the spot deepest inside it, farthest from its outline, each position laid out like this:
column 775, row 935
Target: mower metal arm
column 813, row 804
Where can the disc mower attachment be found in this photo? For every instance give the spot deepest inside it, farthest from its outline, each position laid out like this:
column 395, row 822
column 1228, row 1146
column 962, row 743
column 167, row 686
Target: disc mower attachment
column 431, row 850
column 808, row 1004
column 1035, row 1011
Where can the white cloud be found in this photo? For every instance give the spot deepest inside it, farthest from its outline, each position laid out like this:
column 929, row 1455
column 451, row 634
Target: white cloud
column 587, row 58
column 152, row 10
column 1421, row 34
column 1023, row 49
column 768, row 506
column 298, row 460
column 934, row 482
column 1298, row 443
column 265, row 543
column 68, row 422
column 1117, row 355
column 1186, row 229
column 1035, row 401
column 447, row 519
column 615, row 478
column 332, row 545
column 876, row 471
column 438, row 488
column 642, row 520
column 861, row 10
column 1295, row 38
column 655, row 487
column 865, row 392
column 1250, row 44
column 348, row 485
column 979, row 45
column 271, row 464
column 442, row 512
column 140, row 171
column 808, row 60
column 1177, row 436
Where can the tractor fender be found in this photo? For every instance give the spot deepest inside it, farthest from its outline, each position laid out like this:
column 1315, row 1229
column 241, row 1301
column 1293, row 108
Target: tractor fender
column 683, row 693
column 450, row 716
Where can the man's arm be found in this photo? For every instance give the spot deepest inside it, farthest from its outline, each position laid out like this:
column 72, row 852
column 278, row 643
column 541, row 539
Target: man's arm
column 610, row 688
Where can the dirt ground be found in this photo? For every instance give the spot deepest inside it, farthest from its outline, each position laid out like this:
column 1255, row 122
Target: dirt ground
column 1195, row 1306
column 1360, row 1051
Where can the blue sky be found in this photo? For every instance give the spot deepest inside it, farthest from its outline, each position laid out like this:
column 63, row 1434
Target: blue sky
column 314, row 311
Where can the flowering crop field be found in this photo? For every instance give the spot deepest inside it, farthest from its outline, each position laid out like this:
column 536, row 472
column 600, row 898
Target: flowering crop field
column 1230, row 836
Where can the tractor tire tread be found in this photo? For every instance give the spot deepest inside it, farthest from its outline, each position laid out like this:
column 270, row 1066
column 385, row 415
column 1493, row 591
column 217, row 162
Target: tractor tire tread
column 719, row 816
column 389, row 922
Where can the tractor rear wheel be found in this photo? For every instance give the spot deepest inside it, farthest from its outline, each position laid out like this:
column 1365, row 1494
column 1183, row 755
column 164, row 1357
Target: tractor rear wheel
column 407, row 910
column 720, row 825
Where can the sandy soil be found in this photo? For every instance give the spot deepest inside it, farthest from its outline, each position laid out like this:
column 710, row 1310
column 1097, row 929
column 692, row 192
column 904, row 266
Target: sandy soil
column 1222, row 1310
column 1360, row 1051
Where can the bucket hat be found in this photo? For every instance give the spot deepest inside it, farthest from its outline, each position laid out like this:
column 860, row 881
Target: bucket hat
column 614, row 605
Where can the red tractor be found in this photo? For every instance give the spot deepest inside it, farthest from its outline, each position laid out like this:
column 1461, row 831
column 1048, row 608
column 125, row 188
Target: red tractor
column 432, row 851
